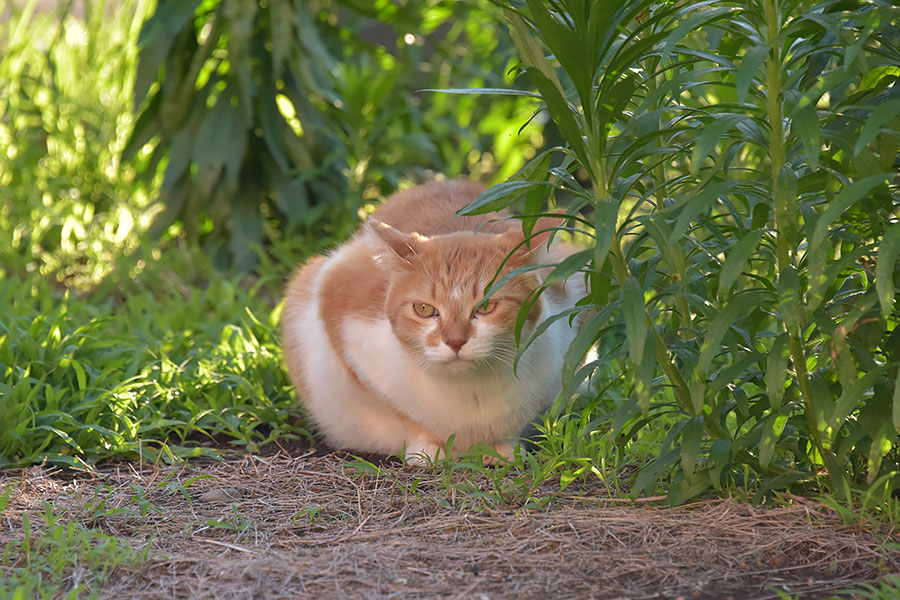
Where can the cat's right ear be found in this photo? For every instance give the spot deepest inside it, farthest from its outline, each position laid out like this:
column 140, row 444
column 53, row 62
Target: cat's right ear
column 389, row 244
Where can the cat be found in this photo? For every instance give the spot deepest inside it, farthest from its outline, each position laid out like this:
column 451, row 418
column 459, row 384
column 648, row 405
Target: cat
column 392, row 347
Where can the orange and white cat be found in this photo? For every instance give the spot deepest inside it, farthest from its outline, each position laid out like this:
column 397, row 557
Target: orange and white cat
column 391, row 346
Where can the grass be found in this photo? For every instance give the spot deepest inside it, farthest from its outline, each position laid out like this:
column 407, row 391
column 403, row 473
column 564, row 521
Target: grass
column 102, row 352
column 87, row 379
column 60, row 558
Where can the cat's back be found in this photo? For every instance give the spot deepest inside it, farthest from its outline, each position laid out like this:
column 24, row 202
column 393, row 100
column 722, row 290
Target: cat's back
column 430, row 209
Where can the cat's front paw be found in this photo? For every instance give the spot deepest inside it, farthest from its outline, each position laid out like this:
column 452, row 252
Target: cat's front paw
column 421, row 454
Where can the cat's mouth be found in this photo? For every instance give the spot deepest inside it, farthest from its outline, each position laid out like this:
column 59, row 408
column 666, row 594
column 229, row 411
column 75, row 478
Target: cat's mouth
column 457, row 364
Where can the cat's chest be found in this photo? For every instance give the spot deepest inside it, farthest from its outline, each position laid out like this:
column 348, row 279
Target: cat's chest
column 379, row 360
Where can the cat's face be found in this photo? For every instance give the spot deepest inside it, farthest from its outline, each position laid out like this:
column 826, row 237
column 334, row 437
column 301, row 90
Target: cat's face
column 435, row 300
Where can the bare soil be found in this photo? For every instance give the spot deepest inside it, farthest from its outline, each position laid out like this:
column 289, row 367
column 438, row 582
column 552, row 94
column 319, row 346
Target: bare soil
column 327, row 526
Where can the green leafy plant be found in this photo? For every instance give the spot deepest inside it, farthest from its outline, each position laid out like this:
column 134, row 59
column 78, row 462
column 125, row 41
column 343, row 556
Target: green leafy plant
column 232, row 95
column 734, row 167
column 261, row 113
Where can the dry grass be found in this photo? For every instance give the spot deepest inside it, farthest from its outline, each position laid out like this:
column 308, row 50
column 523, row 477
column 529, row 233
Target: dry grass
column 315, row 526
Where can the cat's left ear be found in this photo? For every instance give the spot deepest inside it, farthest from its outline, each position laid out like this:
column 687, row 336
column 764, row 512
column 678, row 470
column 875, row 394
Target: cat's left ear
column 389, row 243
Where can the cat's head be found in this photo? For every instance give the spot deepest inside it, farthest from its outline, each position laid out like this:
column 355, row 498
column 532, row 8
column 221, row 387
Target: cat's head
column 435, row 299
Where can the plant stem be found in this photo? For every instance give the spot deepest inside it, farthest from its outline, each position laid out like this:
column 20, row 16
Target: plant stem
column 783, row 218
column 776, row 130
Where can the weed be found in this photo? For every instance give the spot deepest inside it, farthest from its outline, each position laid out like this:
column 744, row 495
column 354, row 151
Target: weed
column 60, row 557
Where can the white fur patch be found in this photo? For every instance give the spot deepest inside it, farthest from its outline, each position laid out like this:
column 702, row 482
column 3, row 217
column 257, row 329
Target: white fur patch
column 418, row 400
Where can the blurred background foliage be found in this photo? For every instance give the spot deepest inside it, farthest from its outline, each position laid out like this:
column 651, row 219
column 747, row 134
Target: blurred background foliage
column 69, row 204
column 227, row 124
column 285, row 116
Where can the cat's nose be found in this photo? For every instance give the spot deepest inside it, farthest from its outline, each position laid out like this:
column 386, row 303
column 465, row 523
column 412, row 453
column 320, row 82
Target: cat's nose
column 455, row 343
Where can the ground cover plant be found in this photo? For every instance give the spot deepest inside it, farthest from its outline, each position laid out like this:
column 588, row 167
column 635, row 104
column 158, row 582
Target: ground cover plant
column 743, row 297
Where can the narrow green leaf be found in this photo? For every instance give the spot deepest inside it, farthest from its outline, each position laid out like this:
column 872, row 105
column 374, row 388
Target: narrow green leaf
column 648, row 476
column 537, row 168
column 534, row 203
column 562, row 115
column 746, row 73
column 693, row 22
column 80, row 375
column 212, row 145
column 669, row 250
column 875, row 121
column 703, row 200
column 776, row 371
column 5, row 496
column 168, row 20
column 736, row 260
column 643, row 381
column 155, row 42
column 635, row 318
column 605, row 215
column 501, row 196
column 719, row 458
column 882, row 443
column 569, row 266
column 817, row 250
column 691, row 436
column 788, row 285
column 837, row 205
column 698, row 391
column 772, row 426
column 587, row 336
column 738, row 305
column 546, row 323
column 805, row 124
column 689, row 488
column 529, row 50
column 543, row 75
column 895, row 413
column 712, row 134
column 884, row 268
column 851, row 397
column 485, row 91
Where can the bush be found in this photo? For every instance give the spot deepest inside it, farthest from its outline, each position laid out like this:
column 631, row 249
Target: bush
column 735, row 167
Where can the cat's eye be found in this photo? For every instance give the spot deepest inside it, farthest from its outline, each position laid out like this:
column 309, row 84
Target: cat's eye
column 424, row 310
column 486, row 307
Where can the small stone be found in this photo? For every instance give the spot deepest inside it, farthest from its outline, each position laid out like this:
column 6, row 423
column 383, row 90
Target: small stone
column 224, row 495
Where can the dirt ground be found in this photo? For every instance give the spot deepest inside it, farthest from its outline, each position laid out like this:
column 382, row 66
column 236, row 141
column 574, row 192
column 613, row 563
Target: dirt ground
column 322, row 526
